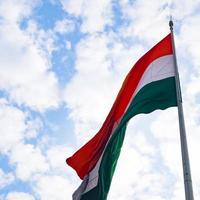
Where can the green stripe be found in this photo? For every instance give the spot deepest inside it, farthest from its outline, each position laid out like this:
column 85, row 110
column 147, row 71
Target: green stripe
column 156, row 95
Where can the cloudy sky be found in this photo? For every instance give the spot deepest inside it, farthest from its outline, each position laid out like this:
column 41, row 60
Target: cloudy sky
column 61, row 65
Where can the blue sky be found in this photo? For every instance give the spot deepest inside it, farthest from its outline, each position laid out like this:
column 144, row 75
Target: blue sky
column 62, row 63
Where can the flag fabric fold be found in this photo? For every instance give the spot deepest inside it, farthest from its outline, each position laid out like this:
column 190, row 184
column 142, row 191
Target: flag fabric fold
column 150, row 85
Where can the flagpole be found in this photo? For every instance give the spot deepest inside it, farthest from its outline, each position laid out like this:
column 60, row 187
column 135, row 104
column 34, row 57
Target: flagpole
column 183, row 138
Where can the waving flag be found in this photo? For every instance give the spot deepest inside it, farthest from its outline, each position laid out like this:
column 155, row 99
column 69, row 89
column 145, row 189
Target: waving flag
column 149, row 85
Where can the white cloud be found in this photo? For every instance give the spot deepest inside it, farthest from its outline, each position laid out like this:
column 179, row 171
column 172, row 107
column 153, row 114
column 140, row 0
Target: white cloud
column 88, row 86
column 56, row 156
column 27, row 79
column 15, row 10
column 16, row 126
column 19, row 196
column 166, row 130
column 64, row 26
column 25, row 72
column 135, row 170
column 44, row 40
column 182, row 9
column 29, row 161
column 53, row 188
column 60, row 181
column 73, row 7
column 148, row 20
column 192, row 110
column 6, row 178
column 13, row 127
column 33, row 127
column 95, row 14
column 178, row 191
column 189, row 38
column 68, row 45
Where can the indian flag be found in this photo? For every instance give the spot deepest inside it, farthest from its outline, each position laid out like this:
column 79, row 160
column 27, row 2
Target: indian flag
column 149, row 85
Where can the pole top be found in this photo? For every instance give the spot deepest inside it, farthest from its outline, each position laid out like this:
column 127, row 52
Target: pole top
column 171, row 23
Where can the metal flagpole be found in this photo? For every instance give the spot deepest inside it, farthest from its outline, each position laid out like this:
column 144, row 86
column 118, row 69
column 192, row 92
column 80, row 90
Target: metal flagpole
column 184, row 148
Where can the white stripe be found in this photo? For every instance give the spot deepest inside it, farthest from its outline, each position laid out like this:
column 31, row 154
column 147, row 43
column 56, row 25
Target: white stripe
column 159, row 69
column 94, row 175
column 90, row 181
column 79, row 191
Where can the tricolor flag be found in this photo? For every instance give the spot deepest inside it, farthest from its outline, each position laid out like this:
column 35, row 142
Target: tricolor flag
column 149, row 85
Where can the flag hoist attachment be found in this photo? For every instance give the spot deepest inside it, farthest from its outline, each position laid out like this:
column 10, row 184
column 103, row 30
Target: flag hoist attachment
column 183, row 138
